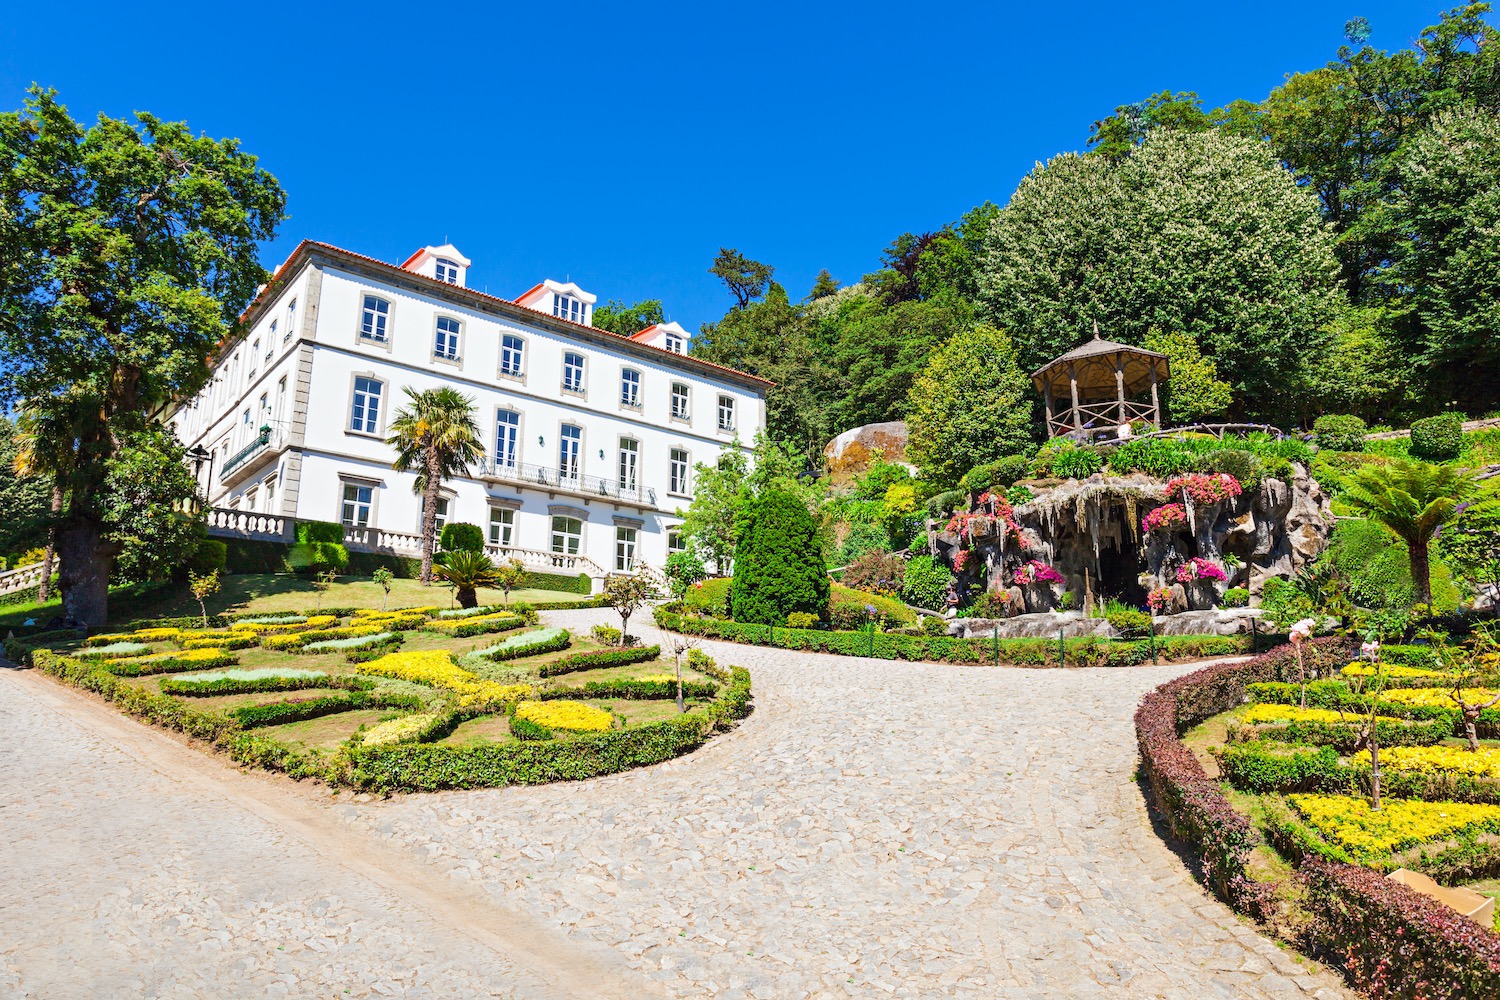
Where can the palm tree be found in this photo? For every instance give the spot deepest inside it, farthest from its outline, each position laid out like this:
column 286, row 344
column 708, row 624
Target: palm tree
column 435, row 437
column 1412, row 499
column 467, row 571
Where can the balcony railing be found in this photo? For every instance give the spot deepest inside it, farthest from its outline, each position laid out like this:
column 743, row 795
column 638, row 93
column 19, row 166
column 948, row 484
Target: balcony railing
column 541, row 475
column 261, row 442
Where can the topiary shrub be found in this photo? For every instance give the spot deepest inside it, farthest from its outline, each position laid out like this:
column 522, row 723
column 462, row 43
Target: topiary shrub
column 211, row 556
column 1339, row 432
column 1006, row 471
column 1439, row 438
column 1129, row 622
column 934, row 626
column 459, row 536
column 925, row 583
column 320, row 531
column 317, row 557
column 778, row 562
column 1242, row 465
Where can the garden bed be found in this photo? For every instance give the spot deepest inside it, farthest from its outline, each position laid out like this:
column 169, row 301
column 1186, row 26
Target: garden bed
column 1285, row 840
column 435, row 714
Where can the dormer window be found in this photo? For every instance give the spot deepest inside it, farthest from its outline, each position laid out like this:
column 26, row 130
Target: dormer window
column 447, row 271
column 674, row 343
column 568, row 308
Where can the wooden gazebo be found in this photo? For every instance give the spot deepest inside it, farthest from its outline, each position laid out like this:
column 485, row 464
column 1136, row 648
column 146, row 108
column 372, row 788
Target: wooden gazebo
column 1097, row 384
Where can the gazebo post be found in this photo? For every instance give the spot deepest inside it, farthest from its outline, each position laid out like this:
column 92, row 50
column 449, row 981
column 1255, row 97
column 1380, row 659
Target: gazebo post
column 1120, row 387
column 1073, row 384
column 1047, row 400
column 1155, row 403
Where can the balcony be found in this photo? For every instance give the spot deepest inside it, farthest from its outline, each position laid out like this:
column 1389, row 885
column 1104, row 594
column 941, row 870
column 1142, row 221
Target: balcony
column 245, row 460
column 543, row 477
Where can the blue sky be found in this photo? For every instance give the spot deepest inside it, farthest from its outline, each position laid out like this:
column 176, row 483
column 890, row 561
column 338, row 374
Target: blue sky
column 622, row 144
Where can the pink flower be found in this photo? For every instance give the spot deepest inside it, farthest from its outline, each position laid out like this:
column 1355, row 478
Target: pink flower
column 1302, row 630
column 1213, row 487
column 1164, row 518
column 1159, row 599
column 1036, row 571
column 1198, row 568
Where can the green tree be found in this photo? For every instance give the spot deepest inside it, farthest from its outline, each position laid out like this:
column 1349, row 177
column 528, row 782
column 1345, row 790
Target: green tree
column 683, row 569
column 617, row 317
column 509, row 575
column 746, row 279
column 1194, row 389
column 1448, row 206
column 142, row 501
column 436, row 437
column 384, row 577
column 971, row 405
column 1199, row 232
column 1121, row 133
column 1367, row 371
column 1412, row 500
column 626, row 594
column 718, row 492
column 466, row 571
column 203, row 587
column 129, row 251
column 778, row 565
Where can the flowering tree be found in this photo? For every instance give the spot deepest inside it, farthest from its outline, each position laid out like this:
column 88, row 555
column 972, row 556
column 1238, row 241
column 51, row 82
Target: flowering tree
column 1300, row 633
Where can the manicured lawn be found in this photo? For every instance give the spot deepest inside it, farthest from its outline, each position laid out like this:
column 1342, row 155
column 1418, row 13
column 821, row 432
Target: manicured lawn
column 278, row 592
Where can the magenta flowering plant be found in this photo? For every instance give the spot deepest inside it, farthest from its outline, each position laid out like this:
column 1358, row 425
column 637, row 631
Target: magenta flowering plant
column 1205, row 487
column 961, row 560
column 1198, row 568
column 1164, row 518
column 1159, row 600
column 1036, row 571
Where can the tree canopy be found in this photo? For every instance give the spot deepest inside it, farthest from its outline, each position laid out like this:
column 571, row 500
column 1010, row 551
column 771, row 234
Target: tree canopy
column 129, row 249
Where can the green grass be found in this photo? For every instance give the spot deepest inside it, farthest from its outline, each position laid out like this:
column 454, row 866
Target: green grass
column 274, row 592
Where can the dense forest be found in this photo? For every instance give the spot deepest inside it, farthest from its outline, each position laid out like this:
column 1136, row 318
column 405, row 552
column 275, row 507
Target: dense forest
column 1333, row 248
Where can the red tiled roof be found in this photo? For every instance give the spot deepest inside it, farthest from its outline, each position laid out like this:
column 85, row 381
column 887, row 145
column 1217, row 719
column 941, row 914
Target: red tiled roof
column 408, row 261
column 526, row 294
column 306, row 247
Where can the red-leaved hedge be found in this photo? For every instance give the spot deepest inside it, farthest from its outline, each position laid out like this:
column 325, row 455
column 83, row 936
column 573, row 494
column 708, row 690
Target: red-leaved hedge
column 1391, row 941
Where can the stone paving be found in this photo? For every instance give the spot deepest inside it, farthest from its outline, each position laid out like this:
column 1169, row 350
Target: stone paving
column 875, row 829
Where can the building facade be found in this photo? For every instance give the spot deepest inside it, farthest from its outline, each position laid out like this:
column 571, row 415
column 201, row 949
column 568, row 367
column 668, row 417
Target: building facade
column 591, row 437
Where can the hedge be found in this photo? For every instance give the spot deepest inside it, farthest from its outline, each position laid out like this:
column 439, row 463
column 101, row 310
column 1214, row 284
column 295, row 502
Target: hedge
column 1439, row 438
column 547, row 640
column 1344, row 736
column 599, row 659
column 253, row 685
column 167, row 665
column 1085, row 651
column 630, row 690
column 1264, row 770
column 297, row 710
column 427, row 767
column 463, row 629
column 1388, row 938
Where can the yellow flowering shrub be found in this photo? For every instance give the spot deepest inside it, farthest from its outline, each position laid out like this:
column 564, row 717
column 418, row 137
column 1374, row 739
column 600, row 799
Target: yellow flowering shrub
column 658, row 677
column 1440, row 697
column 296, row 640
column 218, row 640
column 1371, row 835
column 395, row 621
column 1262, row 714
column 109, row 638
column 185, row 656
column 562, row 714
column 1361, row 669
column 372, row 613
column 156, row 634
column 1482, row 763
column 395, row 730
column 434, row 668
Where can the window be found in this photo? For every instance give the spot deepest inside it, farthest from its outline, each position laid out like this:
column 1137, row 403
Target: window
column 442, row 512
column 265, row 410
column 624, row 549
column 291, row 321
column 567, row 534
column 573, row 372
column 726, row 413
column 630, row 453
column 512, row 351
column 568, row 447
column 376, row 317
column 675, row 541
column 507, row 439
column 674, row 343
column 364, row 414
column 677, row 472
column 245, row 434
column 502, row 526
column 234, row 374
column 445, row 345
column 252, row 497
column 447, row 271
column 271, row 341
column 357, row 501
column 679, row 401
column 280, row 413
column 271, row 495
column 568, row 308
column 254, row 354
column 630, row 387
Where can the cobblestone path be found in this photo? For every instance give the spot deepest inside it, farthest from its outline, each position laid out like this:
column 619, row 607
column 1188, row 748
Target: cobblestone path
column 875, row 829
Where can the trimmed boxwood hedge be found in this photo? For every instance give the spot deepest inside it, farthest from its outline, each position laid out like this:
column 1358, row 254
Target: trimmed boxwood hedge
column 630, row 690
column 1085, row 651
column 186, row 687
column 1386, row 936
column 167, row 665
column 1265, row 769
column 599, row 658
column 1344, row 736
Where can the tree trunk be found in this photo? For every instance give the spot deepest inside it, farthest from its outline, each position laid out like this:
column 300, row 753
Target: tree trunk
column 44, row 589
column 429, row 515
column 1470, row 731
column 1421, row 573
column 86, row 561
column 1374, row 770
column 467, row 598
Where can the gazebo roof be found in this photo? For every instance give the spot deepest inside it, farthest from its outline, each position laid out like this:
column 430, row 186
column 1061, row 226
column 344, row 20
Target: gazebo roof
column 1094, row 363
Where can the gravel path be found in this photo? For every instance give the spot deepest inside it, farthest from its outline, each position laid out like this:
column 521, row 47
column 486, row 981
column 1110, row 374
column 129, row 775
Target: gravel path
column 874, row 829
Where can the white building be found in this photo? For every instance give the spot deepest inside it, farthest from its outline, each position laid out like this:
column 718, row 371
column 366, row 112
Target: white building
column 591, row 437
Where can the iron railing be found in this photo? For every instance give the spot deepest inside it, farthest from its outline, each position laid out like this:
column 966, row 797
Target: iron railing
column 541, row 475
column 239, row 458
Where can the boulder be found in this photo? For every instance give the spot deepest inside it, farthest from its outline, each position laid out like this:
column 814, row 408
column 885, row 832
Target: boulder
column 1039, row 626
column 1219, row 621
column 851, row 453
